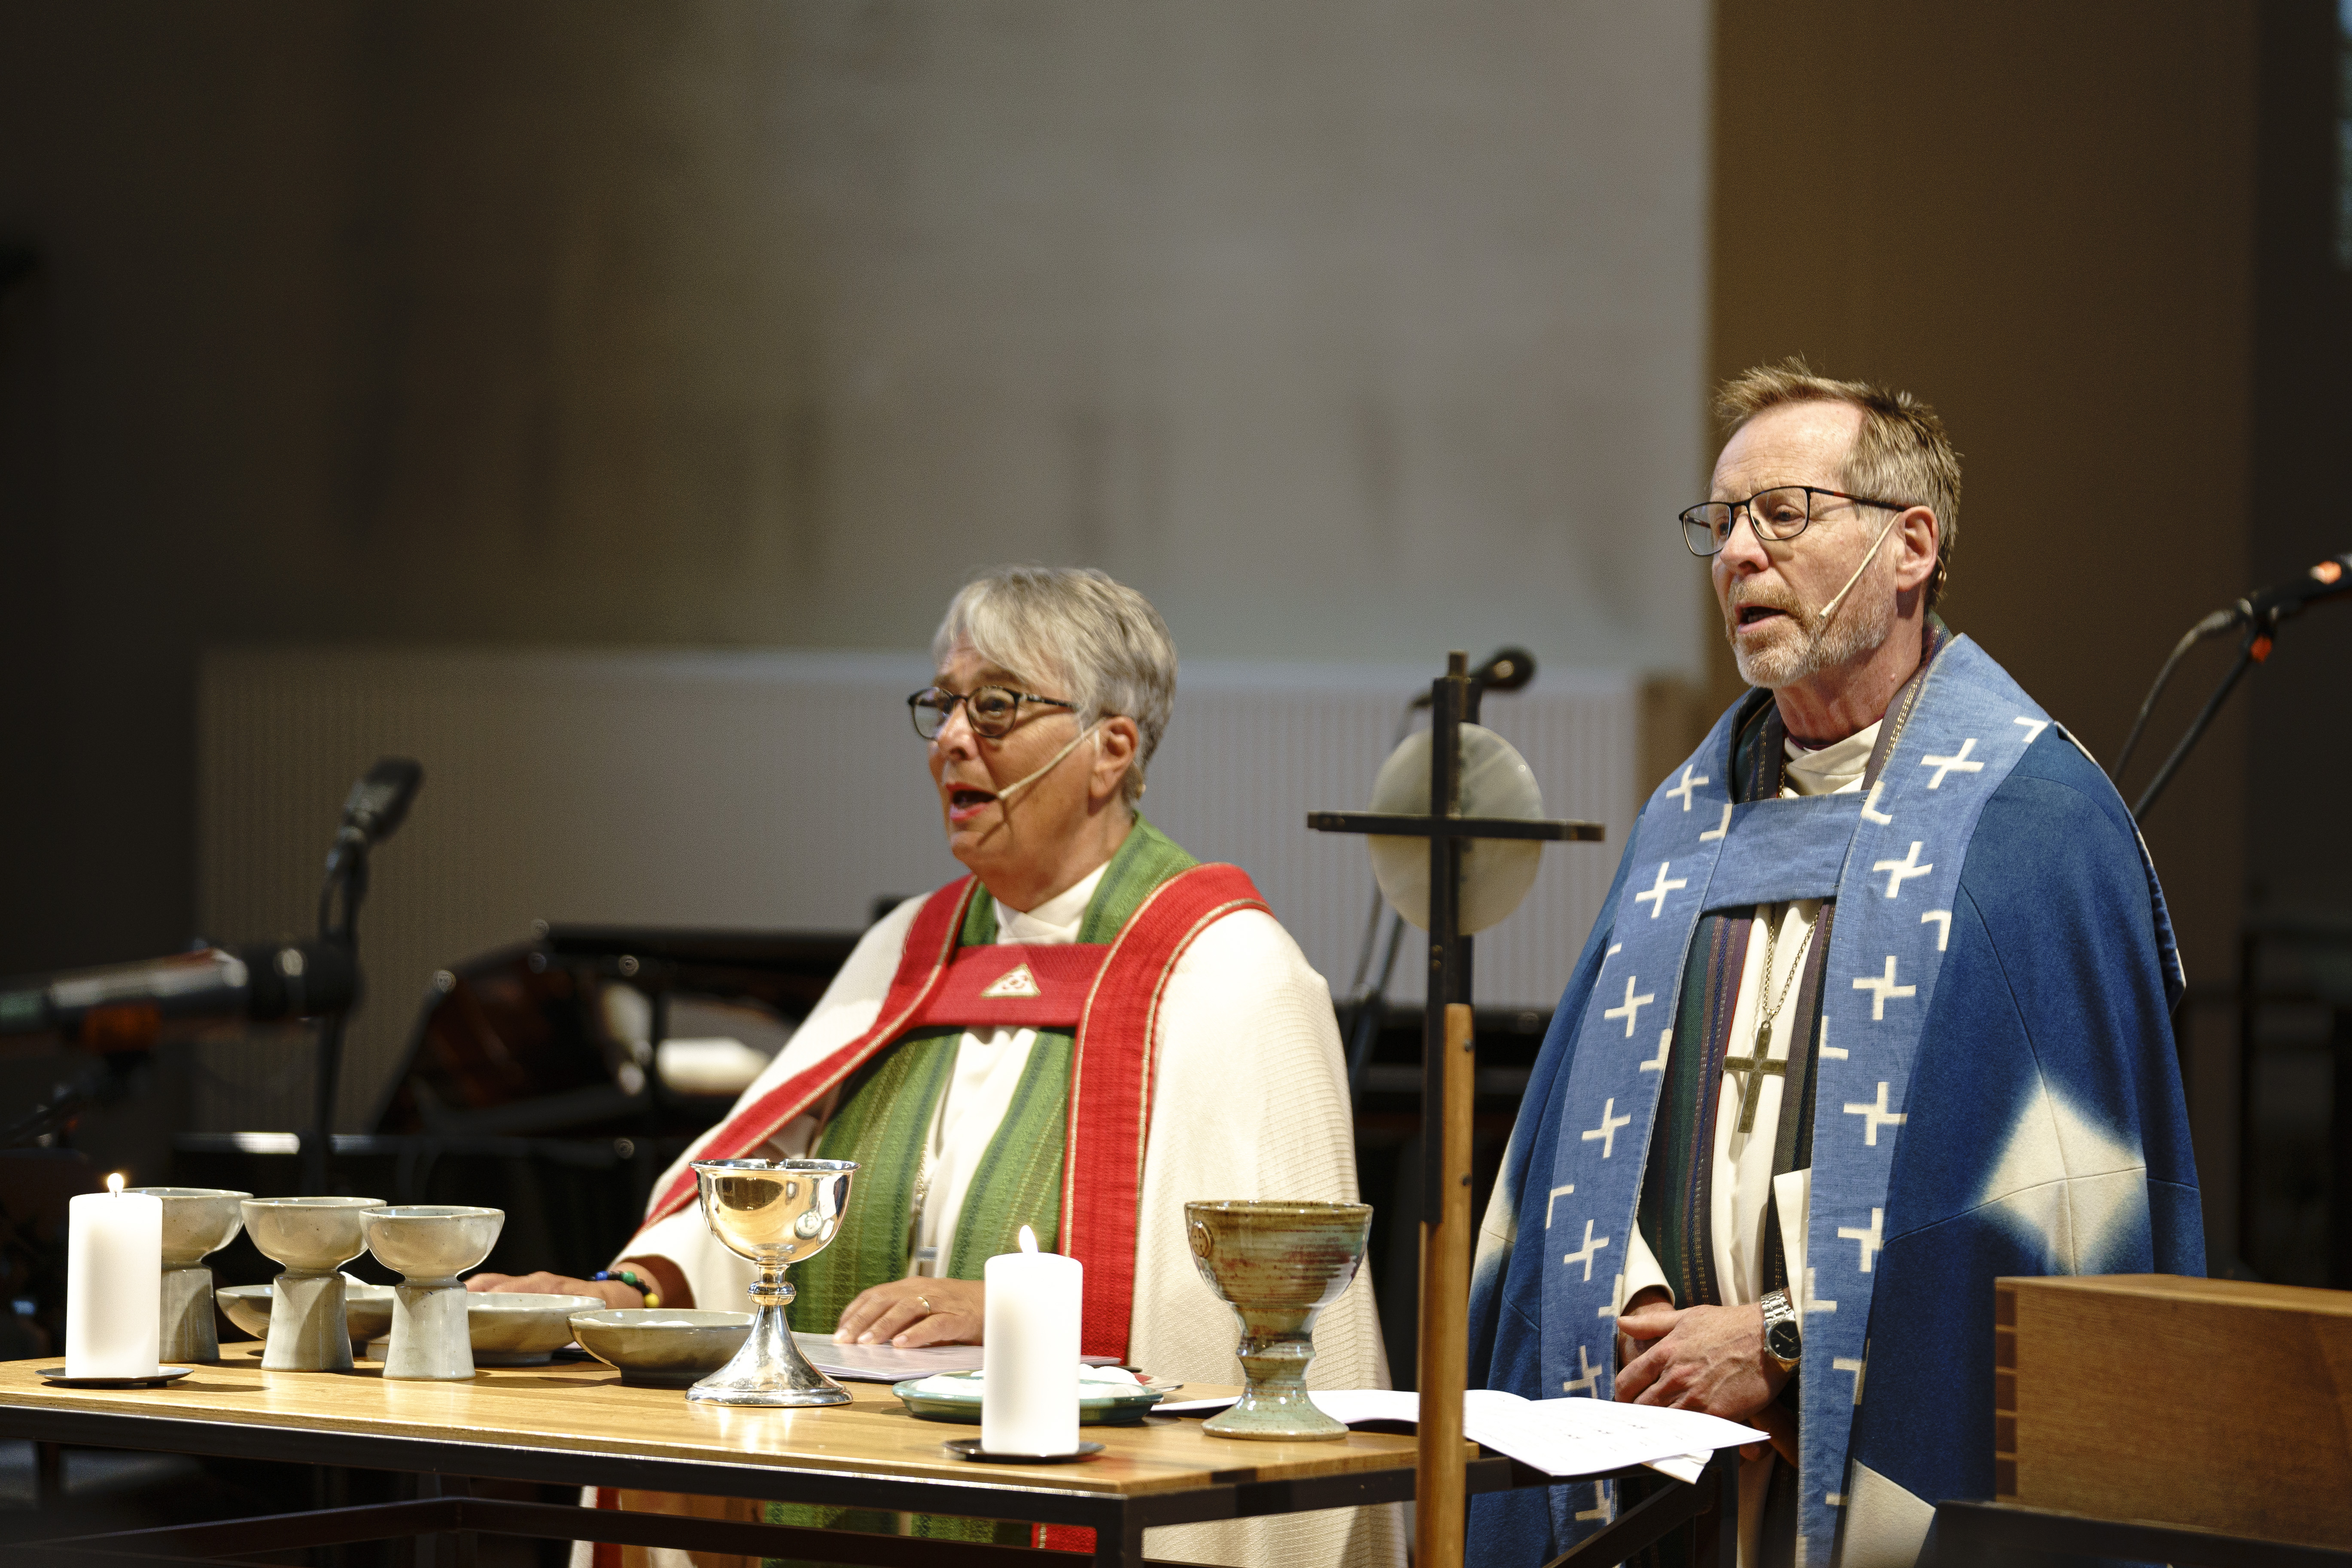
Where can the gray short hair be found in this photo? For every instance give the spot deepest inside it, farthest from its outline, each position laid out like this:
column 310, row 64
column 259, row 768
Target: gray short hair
column 1100, row 639
column 1901, row 453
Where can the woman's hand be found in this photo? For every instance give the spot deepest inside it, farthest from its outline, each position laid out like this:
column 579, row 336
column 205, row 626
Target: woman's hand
column 911, row 1312
column 614, row 1293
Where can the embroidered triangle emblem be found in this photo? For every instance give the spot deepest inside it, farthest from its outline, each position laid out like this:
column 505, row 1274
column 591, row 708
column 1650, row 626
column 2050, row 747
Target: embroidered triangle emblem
column 1014, row 982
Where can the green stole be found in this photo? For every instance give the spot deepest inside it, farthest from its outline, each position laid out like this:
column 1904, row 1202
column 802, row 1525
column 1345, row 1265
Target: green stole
column 885, row 1121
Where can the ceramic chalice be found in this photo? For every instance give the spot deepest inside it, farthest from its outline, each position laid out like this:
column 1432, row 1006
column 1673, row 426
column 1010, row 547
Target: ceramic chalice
column 197, row 1223
column 1277, row 1265
column 313, row 1237
column 431, row 1245
column 773, row 1213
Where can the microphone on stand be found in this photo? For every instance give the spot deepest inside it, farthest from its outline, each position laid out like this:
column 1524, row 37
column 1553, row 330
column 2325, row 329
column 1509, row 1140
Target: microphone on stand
column 1509, row 670
column 2260, row 613
column 2268, row 606
column 2263, row 609
column 124, row 1007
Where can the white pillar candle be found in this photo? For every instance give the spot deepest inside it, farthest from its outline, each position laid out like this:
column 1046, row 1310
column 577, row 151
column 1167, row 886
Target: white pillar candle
column 114, row 1281
column 1029, row 1350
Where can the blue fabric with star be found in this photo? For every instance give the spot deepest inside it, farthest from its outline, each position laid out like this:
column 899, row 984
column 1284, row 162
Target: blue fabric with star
column 2017, row 1110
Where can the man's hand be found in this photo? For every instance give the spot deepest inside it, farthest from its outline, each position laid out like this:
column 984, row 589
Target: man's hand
column 612, row 1292
column 1704, row 1358
column 911, row 1312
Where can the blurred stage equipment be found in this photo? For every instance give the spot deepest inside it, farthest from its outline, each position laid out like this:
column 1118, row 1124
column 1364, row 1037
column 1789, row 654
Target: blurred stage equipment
column 543, row 1078
column 2259, row 613
column 1477, row 810
column 123, row 1009
column 372, row 814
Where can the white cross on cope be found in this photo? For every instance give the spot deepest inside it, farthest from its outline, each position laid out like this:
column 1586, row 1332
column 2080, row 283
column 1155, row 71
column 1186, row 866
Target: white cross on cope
column 1553, row 1201
column 1633, row 1006
column 1956, row 764
column 1607, row 1131
column 1689, row 783
column 1876, row 1116
column 1658, row 1062
column 1882, row 985
column 1858, row 1367
column 1901, row 871
column 1869, row 1238
column 1584, row 1254
column 1660, row 889
column 1589, row 1383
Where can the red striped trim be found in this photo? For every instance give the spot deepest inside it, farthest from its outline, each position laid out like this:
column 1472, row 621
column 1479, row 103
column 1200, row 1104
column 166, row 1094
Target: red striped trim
column 931, row 943
column 1062, row 1537
column 1111, row 1091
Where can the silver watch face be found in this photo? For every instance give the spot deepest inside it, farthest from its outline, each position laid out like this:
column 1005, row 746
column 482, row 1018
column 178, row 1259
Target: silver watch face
column 1785, row 1340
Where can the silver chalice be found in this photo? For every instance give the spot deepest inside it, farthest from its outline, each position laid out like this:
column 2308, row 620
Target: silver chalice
column 772, row 1213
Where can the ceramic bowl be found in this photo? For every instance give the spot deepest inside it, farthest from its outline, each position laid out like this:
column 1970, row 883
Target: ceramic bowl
column 367, row 1310
column 197, row 1222
column 657, row 1347
column 432, row 1241
column 513, row 1328
column 315, row 1235
column 955, row 1397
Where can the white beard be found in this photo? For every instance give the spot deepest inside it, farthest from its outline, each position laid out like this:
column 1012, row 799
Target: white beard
column 1862, row 623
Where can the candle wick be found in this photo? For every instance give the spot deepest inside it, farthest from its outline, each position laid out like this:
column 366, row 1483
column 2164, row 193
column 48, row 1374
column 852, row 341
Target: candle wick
column 114, row 1183
column 1028, row 1239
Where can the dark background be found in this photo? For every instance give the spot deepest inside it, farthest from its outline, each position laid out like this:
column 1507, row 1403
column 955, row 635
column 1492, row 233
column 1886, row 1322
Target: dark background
column 2102, row 239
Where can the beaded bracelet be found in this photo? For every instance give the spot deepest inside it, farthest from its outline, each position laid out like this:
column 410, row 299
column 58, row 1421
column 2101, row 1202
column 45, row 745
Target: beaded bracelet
column 629, row 1277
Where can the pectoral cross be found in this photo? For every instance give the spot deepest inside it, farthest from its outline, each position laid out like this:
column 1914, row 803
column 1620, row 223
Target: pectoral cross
column 1750, row 1068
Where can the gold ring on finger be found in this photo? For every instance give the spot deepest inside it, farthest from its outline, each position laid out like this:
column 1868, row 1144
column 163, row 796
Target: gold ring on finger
column 926, row 1303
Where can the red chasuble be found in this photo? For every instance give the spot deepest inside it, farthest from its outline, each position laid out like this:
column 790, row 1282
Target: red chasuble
column 1108, row 995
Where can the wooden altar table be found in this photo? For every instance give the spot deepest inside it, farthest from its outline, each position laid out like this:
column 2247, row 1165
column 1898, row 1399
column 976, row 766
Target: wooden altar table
column 574, row 1423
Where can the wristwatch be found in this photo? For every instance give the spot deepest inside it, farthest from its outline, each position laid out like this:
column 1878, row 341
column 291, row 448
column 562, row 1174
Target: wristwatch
column 1784, row 1334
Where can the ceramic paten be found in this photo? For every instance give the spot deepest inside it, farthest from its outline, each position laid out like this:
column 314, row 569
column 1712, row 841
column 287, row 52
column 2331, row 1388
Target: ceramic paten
column 1278, row 1265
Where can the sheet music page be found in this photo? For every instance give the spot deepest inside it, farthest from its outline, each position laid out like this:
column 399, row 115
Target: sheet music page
column 1557, row 1437
column 1586, row 1436
column 884, row 1362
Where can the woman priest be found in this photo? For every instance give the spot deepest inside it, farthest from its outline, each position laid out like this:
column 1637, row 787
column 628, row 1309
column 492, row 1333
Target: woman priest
column 1208, row 1040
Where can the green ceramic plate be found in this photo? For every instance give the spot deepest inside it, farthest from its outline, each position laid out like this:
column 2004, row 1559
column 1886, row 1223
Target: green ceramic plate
column 1094, row 1410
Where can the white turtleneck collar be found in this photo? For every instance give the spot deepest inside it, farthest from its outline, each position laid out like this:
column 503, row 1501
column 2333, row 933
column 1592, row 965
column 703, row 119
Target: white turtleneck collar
column 1055, row 922
column 1835, row 769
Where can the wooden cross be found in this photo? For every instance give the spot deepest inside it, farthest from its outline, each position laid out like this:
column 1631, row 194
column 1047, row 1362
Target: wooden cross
column 1448, row 1073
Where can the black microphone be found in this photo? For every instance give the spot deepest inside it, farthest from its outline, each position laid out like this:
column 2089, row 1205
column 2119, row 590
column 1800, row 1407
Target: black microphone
column 1509, row 670
column 124, row 1007
column 2267, row 608
column 380, row 800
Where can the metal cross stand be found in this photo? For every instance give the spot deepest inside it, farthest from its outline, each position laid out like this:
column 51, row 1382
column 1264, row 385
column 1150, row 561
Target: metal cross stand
column 1448, row 1070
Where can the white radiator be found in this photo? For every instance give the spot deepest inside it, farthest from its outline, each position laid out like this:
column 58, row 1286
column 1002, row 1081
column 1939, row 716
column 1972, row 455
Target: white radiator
column 780, row 790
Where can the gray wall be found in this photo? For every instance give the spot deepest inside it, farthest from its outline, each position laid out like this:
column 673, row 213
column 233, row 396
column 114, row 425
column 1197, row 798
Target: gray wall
column 1346, row 331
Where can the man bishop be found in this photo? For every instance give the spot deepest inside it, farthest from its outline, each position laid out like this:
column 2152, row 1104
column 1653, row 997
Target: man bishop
column 1878, row 1009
